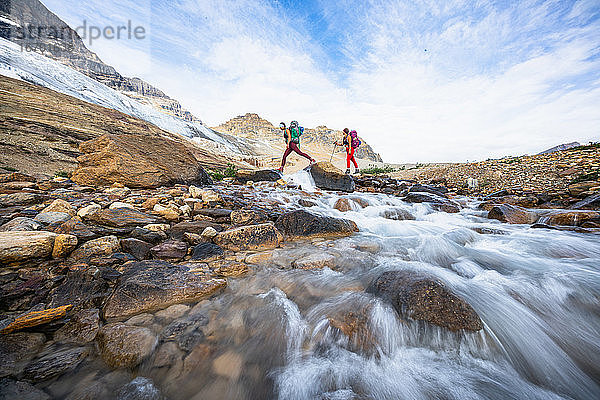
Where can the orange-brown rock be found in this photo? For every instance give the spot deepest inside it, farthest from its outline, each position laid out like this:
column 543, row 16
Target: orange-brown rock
column 250, row 237
column 343, row 205
column 35, row 318
column 137, row 161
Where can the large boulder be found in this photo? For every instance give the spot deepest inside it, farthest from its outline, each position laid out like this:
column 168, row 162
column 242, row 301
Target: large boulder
column 248, row 217
column 52, row 217
column 327, row 176
column 60, row 205
column 250, row 237
column 269, row 175
column 64, row 245
column 125, row 345
column 436, row 201
column 101, row 247
column 570, row 217
column 136, row 247
column 153, row 285
column 82, row 327
column 82, row 289
column 55, row 364
column 423, row 298
column 122, row 218
column 170, row 250
column 513, row 214
column 16, row 247
column 20, row 199
column 137, row 161
column 589, row 203
column 21, row 224
column 178, row 230
column 301, row 223
column 206, row 252
column 17, row 349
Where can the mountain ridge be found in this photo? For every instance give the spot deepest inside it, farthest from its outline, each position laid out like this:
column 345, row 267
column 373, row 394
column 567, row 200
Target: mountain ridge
column 70, row 50
column 252, row 126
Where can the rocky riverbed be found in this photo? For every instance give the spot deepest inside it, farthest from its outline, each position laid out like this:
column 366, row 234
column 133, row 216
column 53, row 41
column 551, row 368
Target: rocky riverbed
column 260, row 288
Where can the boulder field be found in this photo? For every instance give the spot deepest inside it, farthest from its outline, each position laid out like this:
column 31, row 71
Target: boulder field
column 119, row 273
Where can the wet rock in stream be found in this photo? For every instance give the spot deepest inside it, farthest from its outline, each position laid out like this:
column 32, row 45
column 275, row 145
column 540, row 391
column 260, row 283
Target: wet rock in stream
column 420, row 297
column 125, row 345
column 302, row 223
column 152, row 285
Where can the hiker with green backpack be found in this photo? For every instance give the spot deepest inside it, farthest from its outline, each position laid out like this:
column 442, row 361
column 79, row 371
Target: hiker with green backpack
column 292, row 139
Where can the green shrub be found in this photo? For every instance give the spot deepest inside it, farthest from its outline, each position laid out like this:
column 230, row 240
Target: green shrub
column 230, row 171
column 216, row 175
column 62, row 174
column 378, row 170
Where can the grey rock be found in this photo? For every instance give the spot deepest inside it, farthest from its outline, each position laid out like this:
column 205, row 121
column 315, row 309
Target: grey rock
column 82, row 328
column 54, row 364
column 21, row 224
column 17, row 390
column 16, row 349
column 207, row 252
column 301, row 223
column 152, row 285
column 421, row 297
column 125, row 345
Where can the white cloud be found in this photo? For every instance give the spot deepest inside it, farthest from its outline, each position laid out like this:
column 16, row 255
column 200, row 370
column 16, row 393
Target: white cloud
column 422, row 81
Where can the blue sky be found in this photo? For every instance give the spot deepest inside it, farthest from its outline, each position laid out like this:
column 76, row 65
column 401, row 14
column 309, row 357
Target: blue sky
column 421, row 80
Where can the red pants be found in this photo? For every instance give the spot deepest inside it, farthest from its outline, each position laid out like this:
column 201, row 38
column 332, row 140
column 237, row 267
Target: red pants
column 293, row 147
column 350, row 157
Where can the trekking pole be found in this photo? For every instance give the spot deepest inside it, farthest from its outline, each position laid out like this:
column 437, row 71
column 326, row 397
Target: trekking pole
column 333, row 151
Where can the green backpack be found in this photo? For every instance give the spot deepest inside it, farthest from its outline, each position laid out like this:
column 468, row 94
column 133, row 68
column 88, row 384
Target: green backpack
column 295, row 132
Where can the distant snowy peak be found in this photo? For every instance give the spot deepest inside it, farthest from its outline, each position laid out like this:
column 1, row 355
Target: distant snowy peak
column 560, row 147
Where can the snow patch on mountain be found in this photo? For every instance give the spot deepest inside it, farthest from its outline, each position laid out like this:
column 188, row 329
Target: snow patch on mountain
column 38, row 69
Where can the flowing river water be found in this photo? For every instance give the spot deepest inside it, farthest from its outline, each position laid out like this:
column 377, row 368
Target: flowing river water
column 269, row 335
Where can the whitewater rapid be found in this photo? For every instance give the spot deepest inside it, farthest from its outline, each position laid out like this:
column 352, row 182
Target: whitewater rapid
column 536, row 291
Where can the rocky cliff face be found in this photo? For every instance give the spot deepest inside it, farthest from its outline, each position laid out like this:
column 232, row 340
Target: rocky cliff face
column 31, row 25
column 253, row 126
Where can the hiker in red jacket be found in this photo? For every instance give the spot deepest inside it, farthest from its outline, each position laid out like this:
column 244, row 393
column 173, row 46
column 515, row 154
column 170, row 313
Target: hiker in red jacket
column 292, row 140
column 351, row 141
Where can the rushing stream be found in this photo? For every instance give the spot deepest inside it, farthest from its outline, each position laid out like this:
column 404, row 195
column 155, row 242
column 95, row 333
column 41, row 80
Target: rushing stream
column 269, row 334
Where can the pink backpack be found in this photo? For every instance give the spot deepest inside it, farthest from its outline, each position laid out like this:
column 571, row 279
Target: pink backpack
column 355, row 140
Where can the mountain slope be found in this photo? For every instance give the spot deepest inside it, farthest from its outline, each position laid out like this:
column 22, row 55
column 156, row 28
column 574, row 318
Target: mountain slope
column 68, row 48
column 560, row 147
column 43, row 71
column 40, row 129
column 319, row 139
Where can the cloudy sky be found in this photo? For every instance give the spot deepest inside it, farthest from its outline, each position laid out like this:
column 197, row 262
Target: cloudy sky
column 421, row 80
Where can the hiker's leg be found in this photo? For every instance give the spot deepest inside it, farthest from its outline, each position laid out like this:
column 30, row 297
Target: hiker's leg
column 295, row 148
column 352, row 158
column 285, row 154
column 348, row 157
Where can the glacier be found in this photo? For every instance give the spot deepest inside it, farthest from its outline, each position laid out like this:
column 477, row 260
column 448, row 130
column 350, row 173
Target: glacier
column 38, row 69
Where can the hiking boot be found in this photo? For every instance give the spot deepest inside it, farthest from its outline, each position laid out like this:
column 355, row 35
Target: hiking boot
column 347, row 171
column 357, row 171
